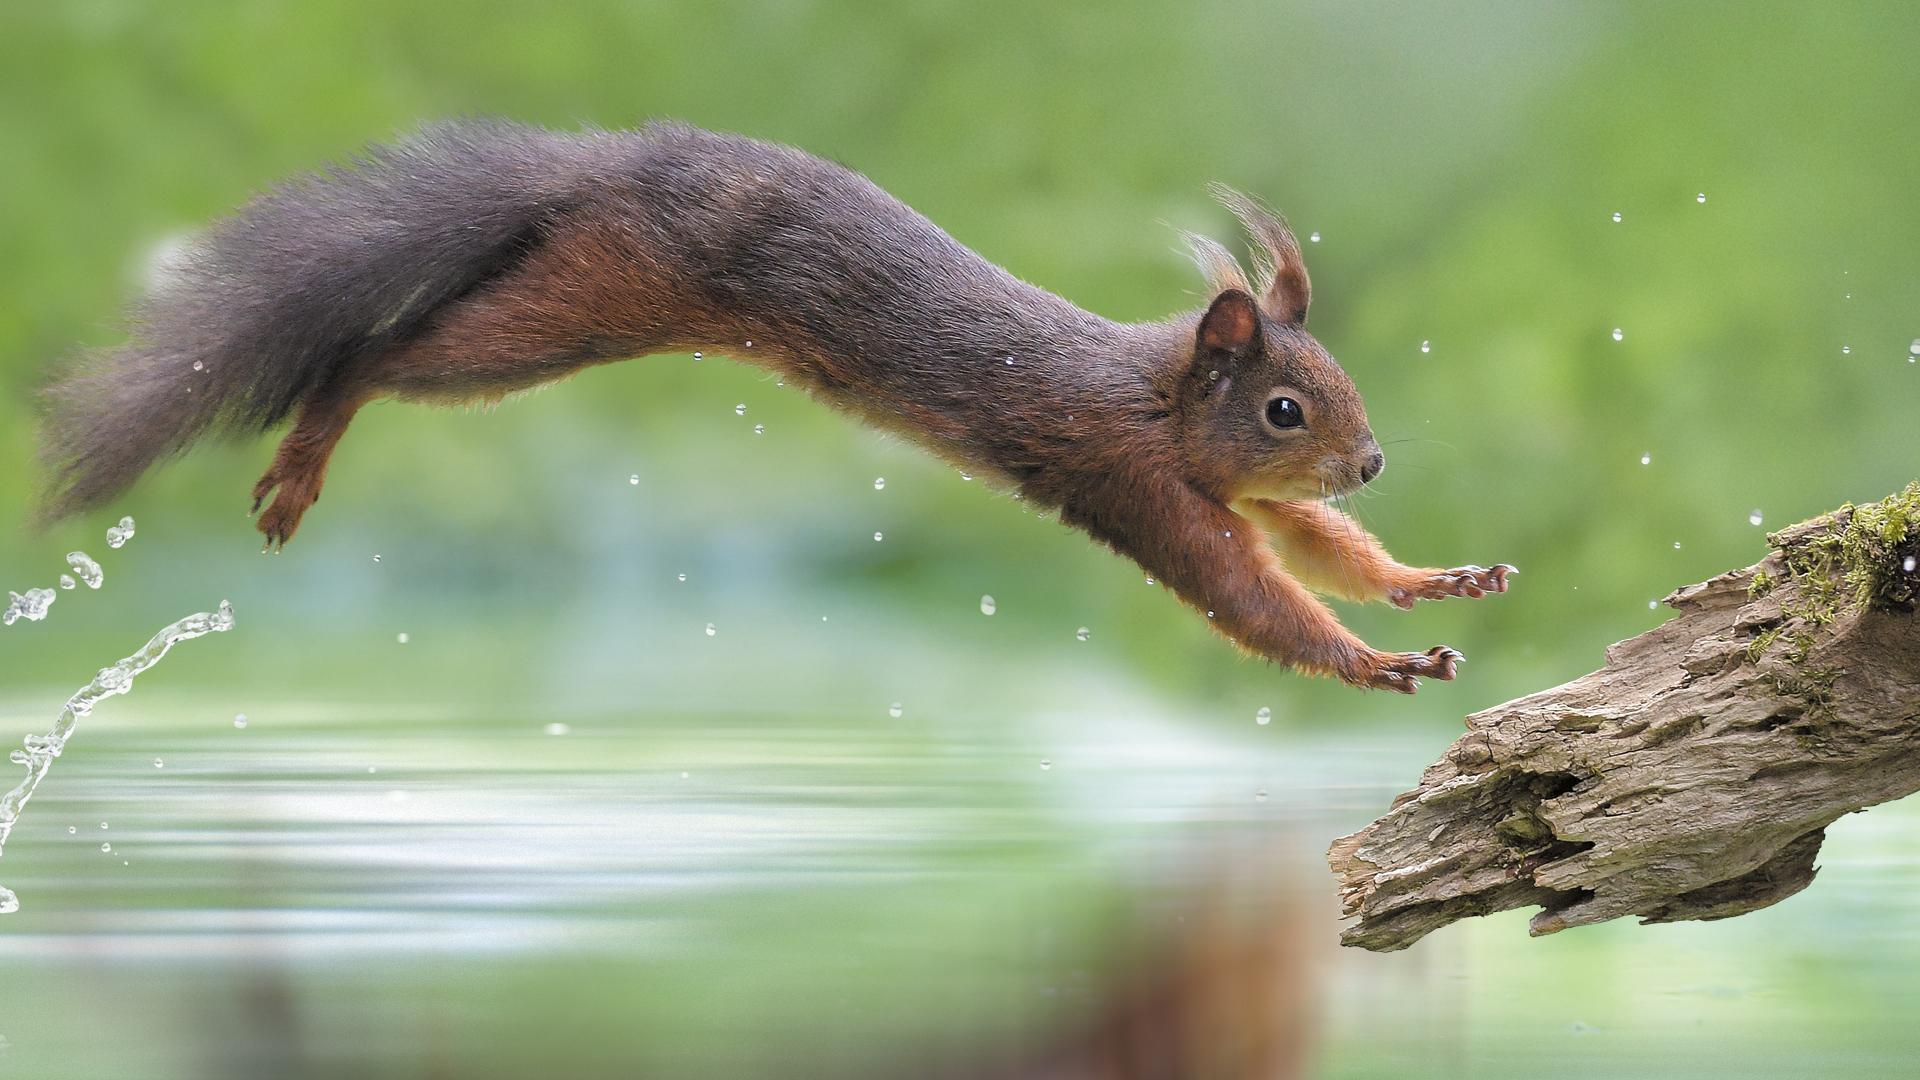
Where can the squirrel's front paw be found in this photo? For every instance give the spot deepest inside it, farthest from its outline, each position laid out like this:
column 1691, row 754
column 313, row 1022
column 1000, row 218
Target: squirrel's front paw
column 1401, row 672
column 1474, row 581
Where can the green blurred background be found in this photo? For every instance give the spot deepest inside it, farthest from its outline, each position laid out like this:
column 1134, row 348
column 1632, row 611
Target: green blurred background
column 1462, row 168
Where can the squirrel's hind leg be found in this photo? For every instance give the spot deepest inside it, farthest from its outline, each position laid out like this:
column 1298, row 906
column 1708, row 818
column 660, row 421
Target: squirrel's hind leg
column 300, row 465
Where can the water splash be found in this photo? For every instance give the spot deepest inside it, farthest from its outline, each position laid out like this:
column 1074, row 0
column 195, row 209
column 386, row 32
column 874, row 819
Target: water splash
column 118, row 679
column 121, row 533
column 88, row 570
column 32, row 607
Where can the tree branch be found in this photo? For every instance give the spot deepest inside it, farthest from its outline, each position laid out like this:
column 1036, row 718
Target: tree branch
column 1692, row 777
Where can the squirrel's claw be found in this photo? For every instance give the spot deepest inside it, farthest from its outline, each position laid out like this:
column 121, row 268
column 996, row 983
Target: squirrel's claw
column 1472, row 581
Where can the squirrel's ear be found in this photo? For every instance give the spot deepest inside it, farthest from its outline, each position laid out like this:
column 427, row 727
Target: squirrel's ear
column 1231, row 325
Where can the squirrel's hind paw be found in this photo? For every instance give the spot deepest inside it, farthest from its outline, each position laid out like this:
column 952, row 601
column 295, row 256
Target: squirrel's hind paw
column 1473, row 581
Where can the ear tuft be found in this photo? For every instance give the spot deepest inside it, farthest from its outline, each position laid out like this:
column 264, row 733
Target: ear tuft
column 1231, row 324
column 1281, row 277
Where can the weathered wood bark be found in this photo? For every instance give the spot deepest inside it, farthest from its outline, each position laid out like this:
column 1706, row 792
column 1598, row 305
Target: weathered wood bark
column 1691, row 778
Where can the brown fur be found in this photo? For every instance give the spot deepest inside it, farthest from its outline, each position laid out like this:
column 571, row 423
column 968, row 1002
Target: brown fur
column 1158, row 438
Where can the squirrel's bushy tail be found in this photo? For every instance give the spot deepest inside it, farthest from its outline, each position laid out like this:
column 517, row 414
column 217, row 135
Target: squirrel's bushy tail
column 256, row 312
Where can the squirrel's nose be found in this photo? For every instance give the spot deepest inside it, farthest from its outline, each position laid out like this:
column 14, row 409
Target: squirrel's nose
column 1372, row 468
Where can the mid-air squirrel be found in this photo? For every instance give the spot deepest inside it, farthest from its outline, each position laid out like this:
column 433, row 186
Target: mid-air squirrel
column 475, row 259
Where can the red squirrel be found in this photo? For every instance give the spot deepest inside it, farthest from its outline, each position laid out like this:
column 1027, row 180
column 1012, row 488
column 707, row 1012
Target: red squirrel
column 475, row 259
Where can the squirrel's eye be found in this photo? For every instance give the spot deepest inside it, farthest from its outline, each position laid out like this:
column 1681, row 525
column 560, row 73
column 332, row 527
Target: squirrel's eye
column 1284, row 412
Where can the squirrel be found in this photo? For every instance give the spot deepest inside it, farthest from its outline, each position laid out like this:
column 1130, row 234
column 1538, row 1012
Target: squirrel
column 474, row 259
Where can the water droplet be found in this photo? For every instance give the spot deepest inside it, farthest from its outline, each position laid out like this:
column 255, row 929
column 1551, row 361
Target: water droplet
column 894, row 709
column 1754, row 518
column 740, row 409
column 89, row 571
column 1845, row 349
column 121, row 533
column 1618, row 335
column 158, row 764
column 1914, row 348
column 1426, row 346
column 1260, row 796
column 197, row 365
column 710, row 630
column 1264, row 716
column 1045, row 764
column 1149, row 579
column 1315, row 238
column 1616, row 217
column 371, row 769
column 1646, row 459
column 964, row 476
column 759, row 429
column 103, row 824
column 106, row 847
column 558, row 729
column 683, row 776
column 876, row 538
column 401, row 637
column 73, row 828
column 1651, row 604
column 1209, row 614
column 634, row 479
column 67, row 582
column 696, row 356
column 1907, row 563
column 879, row 483
column 683, row 577
column 1083, row 633
column 240, row 720
column 1676, row 545
column 986, row 605
column 1702, row 197
column 1229, row 532
column 1009, row 361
